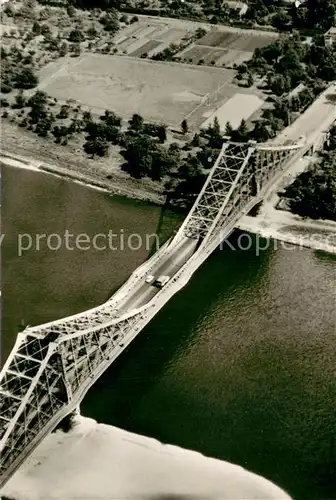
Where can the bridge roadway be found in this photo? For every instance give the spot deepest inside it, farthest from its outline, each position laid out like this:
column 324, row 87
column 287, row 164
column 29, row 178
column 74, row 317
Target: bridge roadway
column 317, row 117
column 136, row 302
column 170, row 264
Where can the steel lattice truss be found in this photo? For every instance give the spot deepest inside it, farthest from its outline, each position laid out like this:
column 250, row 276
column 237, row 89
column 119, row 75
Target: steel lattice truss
column 52, row 365
column 43, row 375
column 239, row 173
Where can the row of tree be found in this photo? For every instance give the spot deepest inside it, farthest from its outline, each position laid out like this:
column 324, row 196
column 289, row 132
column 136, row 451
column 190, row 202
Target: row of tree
column 289, row 62
column 312, row 14
column 313, row 193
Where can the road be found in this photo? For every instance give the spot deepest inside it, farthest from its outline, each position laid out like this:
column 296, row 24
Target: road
column 320, row 115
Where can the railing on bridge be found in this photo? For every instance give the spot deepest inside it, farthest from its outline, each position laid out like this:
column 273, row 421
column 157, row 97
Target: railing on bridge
column 52, row 366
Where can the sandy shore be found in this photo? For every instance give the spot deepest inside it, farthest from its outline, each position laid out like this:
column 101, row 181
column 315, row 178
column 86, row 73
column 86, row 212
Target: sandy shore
column 288, row 228
column 95, row 461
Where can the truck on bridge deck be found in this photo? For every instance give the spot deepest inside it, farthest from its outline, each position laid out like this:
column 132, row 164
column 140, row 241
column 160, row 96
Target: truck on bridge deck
column 161, row 281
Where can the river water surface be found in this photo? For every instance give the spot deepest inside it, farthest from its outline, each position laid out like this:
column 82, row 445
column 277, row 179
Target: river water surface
column 239, row 365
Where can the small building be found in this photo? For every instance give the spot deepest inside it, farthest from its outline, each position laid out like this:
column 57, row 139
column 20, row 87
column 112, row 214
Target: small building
column 241, row 7
column 330, row 36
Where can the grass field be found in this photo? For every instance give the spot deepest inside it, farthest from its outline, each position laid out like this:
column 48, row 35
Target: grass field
column 160, row 92
column 165, row 92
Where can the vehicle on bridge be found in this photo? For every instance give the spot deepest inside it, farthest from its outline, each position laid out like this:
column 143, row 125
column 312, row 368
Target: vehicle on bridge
column 161, row 281
column 149, row 279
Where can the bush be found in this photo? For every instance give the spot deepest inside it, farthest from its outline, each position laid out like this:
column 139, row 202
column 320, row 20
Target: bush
column 6, row 88
column 67, row 423
column 26, row 79
column 76, row 36
column 124, row 19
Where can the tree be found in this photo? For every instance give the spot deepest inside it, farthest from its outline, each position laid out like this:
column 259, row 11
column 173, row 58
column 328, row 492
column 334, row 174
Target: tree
column 215, row 135
column 96, row 146
column 162, row 162
column 281, row 20
column 241, row 134
column 26, row 79
column 228, row 129
column 196, row 140
column 261, row 131
column 37, row 102
column 313, row 193
column 87, row 116
column 136, row 122
column 92, row 32
column 5, row 87
column 207, row 156
column 162, row 133
column 76, row 125
column 75, row 49
column 190, row 167
column 250, row 79
column 71, row 11
column 111, row 119
column 45, row 30
column 139, row 154
column 59, row 132
column 184, row 126
column 63, row 49
column 20, row 101
column 279, row 84
column 305, row 97
column 64, row 111
column 216, row 127
column 76, row 36
column 43, row 127
column 110, row 22
column 39, row 99
column 36, row 29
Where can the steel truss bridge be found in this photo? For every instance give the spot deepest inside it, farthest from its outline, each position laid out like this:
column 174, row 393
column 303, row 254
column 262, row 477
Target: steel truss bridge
column 53, row 365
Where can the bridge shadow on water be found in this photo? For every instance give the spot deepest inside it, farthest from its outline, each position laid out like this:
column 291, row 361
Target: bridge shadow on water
column 115, row 396
column 149, row 353
column 181, row 383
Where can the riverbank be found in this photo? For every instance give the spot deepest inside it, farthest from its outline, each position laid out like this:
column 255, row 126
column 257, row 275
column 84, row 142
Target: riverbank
column 100, row 461
column 293, row 229
column 26, row 150
column 270, row 223
column 282, row 225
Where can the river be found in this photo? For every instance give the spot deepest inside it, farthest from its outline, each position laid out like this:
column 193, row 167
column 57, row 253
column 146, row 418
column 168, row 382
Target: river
column 239, row 365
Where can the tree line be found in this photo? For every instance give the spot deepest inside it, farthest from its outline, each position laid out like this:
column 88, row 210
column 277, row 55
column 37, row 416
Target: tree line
column 313, row 193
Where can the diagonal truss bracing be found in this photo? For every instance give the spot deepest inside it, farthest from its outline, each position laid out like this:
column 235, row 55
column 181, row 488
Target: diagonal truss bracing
column 217, row 190
column 239, row 173
column 44, row 374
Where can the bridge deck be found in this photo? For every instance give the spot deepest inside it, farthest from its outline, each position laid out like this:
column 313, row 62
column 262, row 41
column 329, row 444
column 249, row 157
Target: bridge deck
column 319, row 116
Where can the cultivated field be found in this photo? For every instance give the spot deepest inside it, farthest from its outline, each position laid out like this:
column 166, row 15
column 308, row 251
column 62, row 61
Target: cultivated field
column 161, row 92
column 221, row 46
column 149, row 36
column 226, row 47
